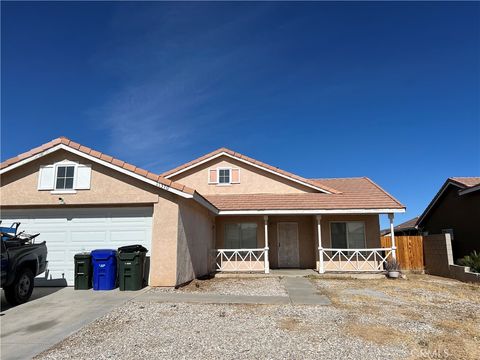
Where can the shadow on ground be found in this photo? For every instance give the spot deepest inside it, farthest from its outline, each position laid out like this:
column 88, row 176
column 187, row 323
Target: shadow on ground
column 38, row 292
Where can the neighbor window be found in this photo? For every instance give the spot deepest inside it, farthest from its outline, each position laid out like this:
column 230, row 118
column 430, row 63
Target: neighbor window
column 64, row 178
column 349, row 235
column 224, row 176
column 241, row 236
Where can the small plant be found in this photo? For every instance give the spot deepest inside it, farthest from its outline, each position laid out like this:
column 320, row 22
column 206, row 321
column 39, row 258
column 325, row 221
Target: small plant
column 392, row 265
column 472, row 261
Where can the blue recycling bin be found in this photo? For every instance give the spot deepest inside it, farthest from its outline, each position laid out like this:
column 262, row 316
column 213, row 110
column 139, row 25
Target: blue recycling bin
column 104, row 263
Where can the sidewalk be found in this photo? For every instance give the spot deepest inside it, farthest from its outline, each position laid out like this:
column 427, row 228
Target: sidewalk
column 300, row 292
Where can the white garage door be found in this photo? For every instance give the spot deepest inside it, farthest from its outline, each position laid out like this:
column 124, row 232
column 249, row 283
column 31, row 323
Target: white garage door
column 69, row 231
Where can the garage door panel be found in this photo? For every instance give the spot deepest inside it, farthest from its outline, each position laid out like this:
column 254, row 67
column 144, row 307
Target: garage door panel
column 70, row 231
column 88, row 236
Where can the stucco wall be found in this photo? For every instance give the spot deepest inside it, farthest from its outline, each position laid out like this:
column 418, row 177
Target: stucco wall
column 108, row 187
column 195, row 241
column 252, row 180
column 307, row 233
column 19, row 186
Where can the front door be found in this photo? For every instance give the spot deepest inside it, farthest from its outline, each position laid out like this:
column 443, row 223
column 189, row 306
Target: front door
column 287, row 239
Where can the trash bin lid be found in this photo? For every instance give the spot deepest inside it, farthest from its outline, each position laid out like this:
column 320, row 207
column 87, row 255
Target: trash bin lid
column 103, row 254
column 132, row 248
column 82, row 255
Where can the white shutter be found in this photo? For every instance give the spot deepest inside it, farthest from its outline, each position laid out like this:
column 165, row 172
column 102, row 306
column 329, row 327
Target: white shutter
column 83, row 177
column 46, row 177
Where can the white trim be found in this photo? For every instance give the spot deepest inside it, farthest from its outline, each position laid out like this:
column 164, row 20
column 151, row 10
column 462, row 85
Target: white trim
column 251, row 164
column 469, row 190
column 309, row 212
column 346, row 222
column 98, row 161
column 198, row 198
column 65, row 163
column 229, row 176
column 66, row 191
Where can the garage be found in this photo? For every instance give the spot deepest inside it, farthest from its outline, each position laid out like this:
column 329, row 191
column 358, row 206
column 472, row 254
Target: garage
column 68, row 231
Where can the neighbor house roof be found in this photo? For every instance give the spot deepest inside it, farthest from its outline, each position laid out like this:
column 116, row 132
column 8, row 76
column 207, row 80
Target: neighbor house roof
column 356, row 194
column 318, row 185
column 81, row 150
column 464, row 184
column 407, row 225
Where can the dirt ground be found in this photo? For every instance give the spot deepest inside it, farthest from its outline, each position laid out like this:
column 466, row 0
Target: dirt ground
column 436, row 318
column 421, row 317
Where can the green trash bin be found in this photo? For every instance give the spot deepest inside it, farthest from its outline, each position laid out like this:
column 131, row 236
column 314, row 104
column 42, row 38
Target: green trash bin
column 131, row 267
column 83, row 271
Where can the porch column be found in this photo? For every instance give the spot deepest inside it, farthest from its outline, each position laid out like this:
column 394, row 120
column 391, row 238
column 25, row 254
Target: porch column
column 266, row 261
column 321, row 269
column 392, row 234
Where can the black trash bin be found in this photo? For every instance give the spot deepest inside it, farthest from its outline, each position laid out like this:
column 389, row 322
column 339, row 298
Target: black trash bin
column 131, row 267
column 83, row 271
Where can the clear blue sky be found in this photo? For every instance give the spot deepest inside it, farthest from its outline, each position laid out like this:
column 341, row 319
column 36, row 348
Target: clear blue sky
column 384, row 90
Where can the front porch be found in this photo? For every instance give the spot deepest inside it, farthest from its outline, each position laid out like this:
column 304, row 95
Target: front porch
column 301, row 242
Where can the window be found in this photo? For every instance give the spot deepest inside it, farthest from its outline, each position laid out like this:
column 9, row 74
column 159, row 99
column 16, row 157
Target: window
column 64, row 178
column 241, row 236
column 224, row 176
column 348, row 235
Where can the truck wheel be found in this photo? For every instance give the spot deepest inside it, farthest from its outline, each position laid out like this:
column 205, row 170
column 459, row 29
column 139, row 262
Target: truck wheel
column 21, row 289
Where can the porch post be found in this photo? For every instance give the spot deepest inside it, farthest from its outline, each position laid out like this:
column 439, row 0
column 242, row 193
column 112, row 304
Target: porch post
column 321, row 269
column 392, row 234
column 266, row 261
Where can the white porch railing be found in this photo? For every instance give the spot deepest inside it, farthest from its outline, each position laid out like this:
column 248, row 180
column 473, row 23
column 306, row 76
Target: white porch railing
column 353, row 259
column 241, row 259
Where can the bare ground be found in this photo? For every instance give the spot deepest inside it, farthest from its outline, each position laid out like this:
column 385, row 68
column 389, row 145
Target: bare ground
column 422, row 317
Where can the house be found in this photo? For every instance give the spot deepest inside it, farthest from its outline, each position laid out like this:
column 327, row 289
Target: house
column 406, row 228
column 455, row 210
column 221, row 212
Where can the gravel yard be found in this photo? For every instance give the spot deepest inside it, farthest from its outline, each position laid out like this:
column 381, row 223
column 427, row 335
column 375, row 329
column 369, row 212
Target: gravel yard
column 264, row 286
column 419, row 318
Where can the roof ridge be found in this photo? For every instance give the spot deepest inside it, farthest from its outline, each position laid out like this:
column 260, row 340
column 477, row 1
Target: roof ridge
column 386, row 193
column 245, row 158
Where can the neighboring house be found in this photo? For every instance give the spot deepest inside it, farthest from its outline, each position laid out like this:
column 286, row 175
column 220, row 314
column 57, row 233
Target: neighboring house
column 221, row 212
column 404, row 229
column 455, row 209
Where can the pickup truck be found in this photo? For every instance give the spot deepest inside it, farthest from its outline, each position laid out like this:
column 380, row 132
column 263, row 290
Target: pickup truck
column 21, row 260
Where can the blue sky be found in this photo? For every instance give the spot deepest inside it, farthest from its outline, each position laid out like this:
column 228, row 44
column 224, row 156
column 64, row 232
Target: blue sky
column 385, row 90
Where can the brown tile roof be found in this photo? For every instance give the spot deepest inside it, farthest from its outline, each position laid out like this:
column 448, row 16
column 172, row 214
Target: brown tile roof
column 357, row 193
column 466, row 181
column 315, row 183
column 132, row 168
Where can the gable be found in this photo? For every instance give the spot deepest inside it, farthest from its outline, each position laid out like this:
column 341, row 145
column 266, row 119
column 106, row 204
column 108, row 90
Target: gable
column 20, row 186
column 251, row 179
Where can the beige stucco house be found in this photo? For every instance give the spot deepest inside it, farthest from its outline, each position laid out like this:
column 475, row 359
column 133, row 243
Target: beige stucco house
column 221, row 212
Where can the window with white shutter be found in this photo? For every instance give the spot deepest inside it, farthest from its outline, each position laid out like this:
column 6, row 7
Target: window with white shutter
column 46, row 177
column 83, row 177
column 65, row 176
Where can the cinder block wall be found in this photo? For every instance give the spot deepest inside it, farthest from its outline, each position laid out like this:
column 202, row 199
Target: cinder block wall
column 438, row 257
column 438, row 254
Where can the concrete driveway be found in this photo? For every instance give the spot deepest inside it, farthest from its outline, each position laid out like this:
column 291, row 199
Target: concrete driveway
column 51, row 315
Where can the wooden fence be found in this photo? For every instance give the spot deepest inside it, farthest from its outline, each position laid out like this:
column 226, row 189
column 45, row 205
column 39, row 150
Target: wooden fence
column 409, row 251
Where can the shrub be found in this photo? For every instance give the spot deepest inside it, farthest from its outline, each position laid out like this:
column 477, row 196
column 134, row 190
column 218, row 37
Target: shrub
column 392, row 265
column 472, row 261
